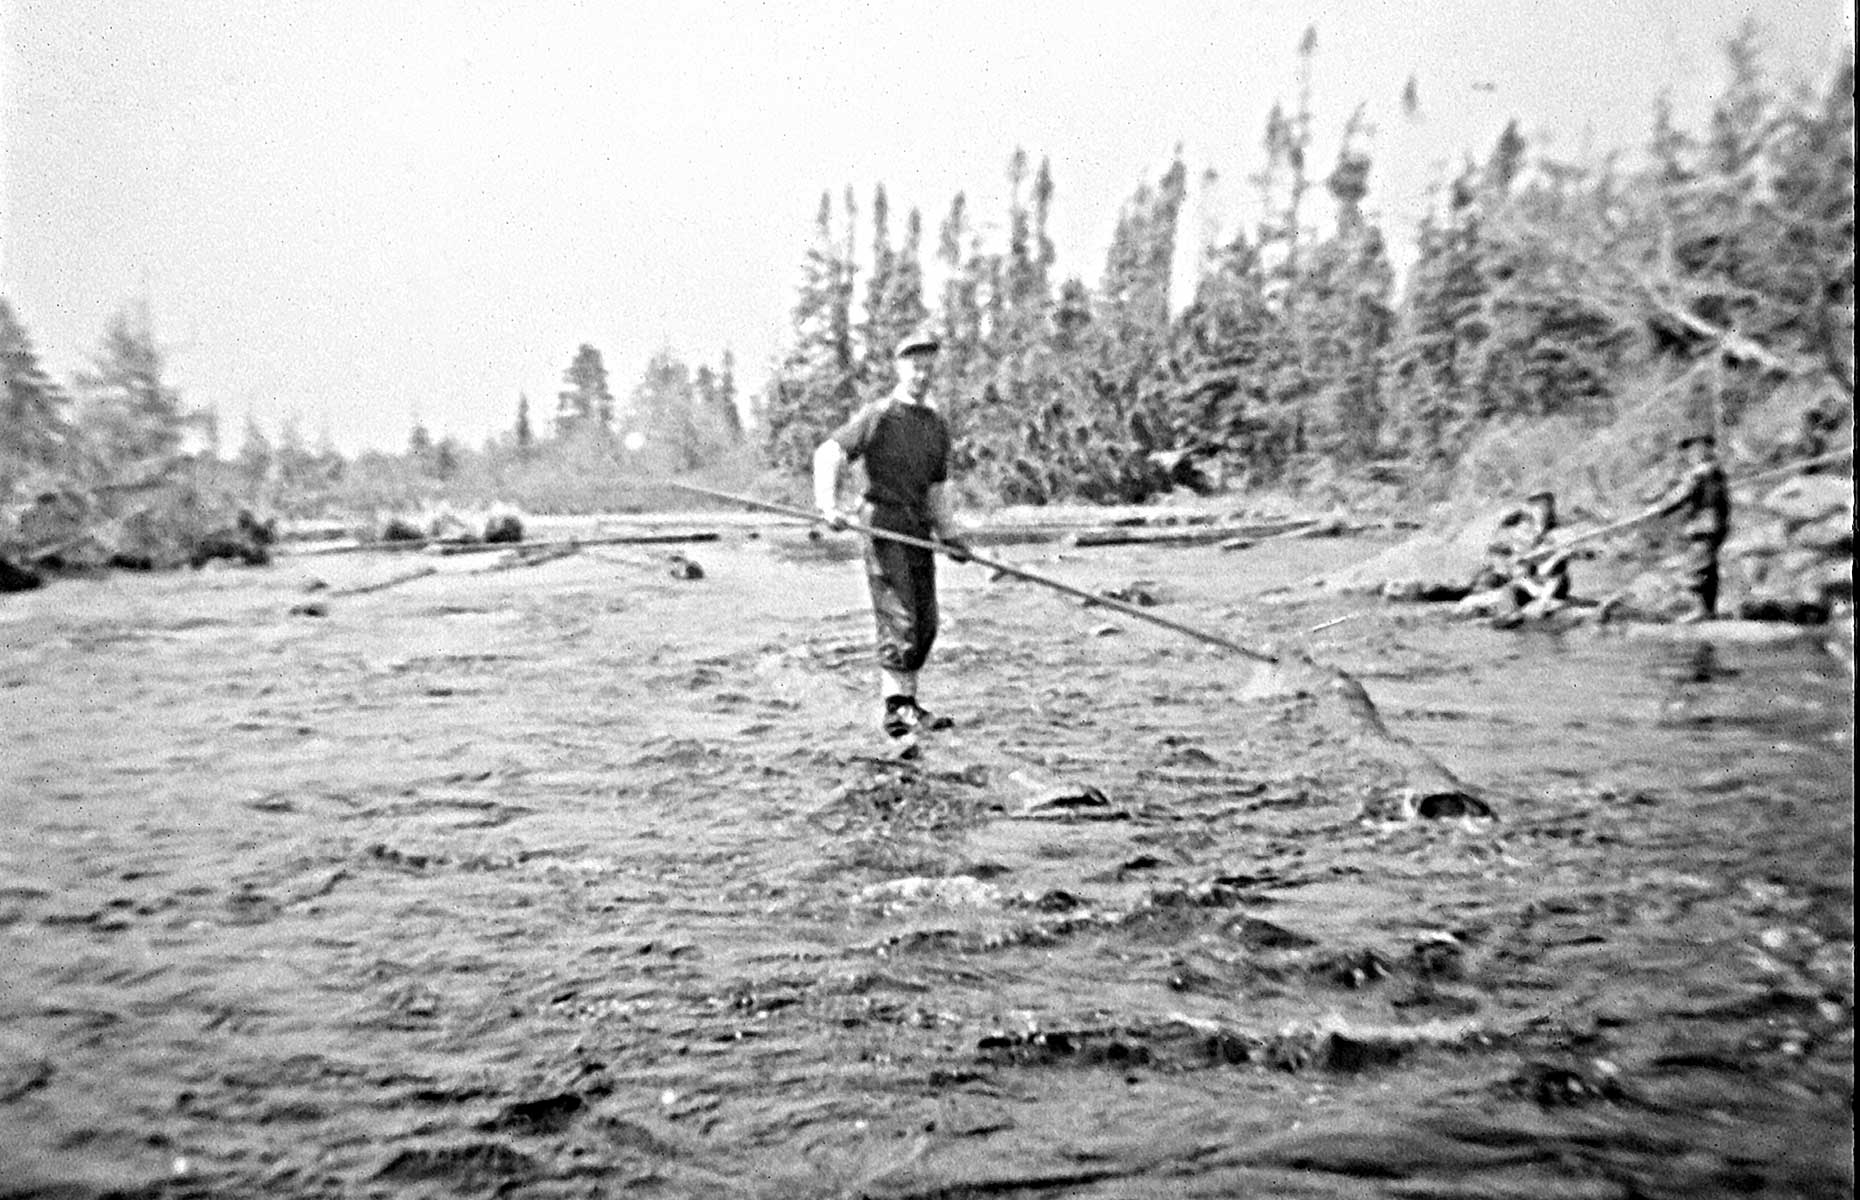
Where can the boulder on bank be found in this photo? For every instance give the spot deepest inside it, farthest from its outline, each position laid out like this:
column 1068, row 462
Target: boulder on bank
column 1808, row 498
column 17, row 579
column 1435, row 565
column 1792, row 547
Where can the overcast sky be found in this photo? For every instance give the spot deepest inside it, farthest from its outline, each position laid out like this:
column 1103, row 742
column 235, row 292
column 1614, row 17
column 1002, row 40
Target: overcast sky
column 358, row 211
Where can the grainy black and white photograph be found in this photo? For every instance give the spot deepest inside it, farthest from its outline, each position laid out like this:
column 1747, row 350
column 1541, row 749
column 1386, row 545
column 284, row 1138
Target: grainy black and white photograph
column 855, row 601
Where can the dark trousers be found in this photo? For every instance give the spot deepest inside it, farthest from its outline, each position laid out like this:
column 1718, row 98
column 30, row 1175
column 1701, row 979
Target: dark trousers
column 903, row 582
column 1700, row 573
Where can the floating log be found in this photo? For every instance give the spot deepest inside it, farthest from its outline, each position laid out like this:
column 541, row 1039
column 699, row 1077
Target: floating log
column 534, row 554
column 442, row 547
column 383, row 585
column 1184, row 535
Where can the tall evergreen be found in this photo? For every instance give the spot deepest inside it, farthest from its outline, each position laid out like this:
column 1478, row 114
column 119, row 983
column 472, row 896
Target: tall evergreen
column 727, row 395
column 585, row 405
column 37, row 433
column 1087, row 419
column 1348, row 317
column 1441, row 326
column 524, row 433
column 718, row 425
column 816, row 385
column 132, row 415
column 1552, row 347
column 254, row 462
column 664, row 407
column 894, row 299
column 961, row 363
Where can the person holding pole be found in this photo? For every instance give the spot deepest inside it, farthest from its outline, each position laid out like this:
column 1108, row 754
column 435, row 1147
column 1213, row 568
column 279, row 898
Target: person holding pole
column 904, row 444
column 1703, row 498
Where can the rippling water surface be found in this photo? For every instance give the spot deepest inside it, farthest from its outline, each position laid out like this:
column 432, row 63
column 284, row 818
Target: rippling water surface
column 582, row 880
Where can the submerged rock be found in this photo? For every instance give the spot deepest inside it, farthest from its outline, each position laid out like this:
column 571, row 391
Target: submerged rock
column 17, row 579
column 955, row 891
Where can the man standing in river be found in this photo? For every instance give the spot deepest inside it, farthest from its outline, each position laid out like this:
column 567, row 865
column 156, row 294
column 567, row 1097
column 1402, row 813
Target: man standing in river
column 1703, row 497
column 904, row 445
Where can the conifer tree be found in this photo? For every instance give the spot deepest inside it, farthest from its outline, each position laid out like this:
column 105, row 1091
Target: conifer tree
column 877, row 373
column 1134, row 296
column 1014, row 374
column 1551, row 348
column 960, row 364
column 254, row 461
column 133, row 418
column 727, row 397
column 585, row 405
column 525, row 433
column 664, row 406
column 37, row 433
column 1026, row 292
column 1229, row 353
column 447, row 458
column 1348, row 287
column 816, row 385
column 894, row 304
column 1441, row 326
column 1085, row 420
column 301, row 474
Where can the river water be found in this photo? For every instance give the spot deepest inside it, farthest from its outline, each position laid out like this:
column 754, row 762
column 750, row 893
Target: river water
column 583, row 880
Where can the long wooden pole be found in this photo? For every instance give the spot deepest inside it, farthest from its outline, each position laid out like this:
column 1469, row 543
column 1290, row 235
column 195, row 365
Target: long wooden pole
column 1129, row 610
column 1649, row 514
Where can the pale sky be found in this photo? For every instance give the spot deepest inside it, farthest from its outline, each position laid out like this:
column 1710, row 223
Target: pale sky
column 356, row 211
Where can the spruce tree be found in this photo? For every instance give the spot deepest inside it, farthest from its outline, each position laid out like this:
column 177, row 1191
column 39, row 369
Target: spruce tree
column 727, row 409
column 524, row 433
column 1348, row 285
column 894, row 305
column 133, row 417
column 254, row 461
column 37, row 434
column 877, row 372
column 1441, row 326
column 960, row 364
column 815, row 387
column 664, row 406
column 585, row 405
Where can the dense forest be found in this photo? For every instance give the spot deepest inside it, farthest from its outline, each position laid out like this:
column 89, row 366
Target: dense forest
column 1560, row 319
column 1544, row 296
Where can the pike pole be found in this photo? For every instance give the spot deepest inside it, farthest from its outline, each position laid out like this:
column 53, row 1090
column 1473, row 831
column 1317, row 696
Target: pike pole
column 1639, row 518
column 1129, row 610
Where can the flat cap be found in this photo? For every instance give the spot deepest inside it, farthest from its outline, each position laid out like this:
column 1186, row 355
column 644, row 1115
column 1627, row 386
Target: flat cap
column 922, row 340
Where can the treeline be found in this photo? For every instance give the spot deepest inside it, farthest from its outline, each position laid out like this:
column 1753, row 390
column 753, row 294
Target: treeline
column 1548, row 300
column 589, row 455
column 1541, row 289
column 112, row 466
column 109, row 467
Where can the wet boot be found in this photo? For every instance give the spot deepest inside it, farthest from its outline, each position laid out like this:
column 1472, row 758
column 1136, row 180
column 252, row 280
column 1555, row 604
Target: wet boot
column 929, row 721
column 901, row 716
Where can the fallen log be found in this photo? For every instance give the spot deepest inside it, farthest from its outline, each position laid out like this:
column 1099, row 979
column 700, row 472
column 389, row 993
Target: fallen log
column 444, row 548
column 1184, row 535
column 383, row 585
column 523, row 556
